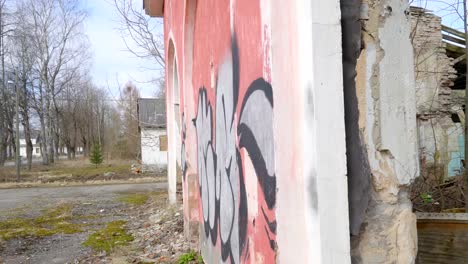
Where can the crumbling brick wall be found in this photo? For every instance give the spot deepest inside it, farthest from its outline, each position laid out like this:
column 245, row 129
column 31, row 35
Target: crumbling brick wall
column 434, row 70
column 437, row 103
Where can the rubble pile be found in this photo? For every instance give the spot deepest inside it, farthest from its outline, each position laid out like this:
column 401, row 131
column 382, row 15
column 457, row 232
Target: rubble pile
column 161, row 236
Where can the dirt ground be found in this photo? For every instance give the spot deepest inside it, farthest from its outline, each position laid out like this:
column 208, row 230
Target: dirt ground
column 154, row 227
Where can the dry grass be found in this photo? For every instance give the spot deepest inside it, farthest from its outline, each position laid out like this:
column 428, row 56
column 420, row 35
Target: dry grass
column 31, row 184
column 66, row 170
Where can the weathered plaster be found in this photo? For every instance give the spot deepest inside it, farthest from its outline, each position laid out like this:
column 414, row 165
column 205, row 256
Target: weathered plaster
column 398, row 134
column 388, row 113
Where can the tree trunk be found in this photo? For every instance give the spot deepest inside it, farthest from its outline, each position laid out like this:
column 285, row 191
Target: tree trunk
column 56, row 145
column 50, row 147
column 3, row 142
column 465, row 174
column 75, row 136
column 3, row 135
column 27, row 137
column 10, row 148
column 13, row 145
column 45, row 155
column 85, row 147
column 2, row 129
column 69, row 157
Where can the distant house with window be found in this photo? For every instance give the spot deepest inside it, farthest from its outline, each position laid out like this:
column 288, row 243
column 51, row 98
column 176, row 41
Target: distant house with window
column 36, row 147
column 36, row 143
column 153, row 136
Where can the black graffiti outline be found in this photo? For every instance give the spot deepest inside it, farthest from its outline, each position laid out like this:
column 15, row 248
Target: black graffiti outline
column 248, row 141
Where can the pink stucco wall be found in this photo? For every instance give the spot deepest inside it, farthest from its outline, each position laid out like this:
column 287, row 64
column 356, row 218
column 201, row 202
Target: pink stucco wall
column 250, row 177
column 227, row 129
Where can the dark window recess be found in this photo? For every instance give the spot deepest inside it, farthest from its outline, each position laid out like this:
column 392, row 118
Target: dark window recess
column 456, row 118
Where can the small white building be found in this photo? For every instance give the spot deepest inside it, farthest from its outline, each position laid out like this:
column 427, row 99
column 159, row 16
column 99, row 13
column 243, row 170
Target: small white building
column 36, row 153
column 153, row 136
column 37, row 150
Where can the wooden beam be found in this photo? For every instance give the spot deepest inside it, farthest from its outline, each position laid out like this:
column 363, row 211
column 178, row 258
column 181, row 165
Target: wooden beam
column 457, row 60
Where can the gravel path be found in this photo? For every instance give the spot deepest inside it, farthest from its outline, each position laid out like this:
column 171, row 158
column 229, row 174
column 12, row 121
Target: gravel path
column 101, row 201
column 39, row 197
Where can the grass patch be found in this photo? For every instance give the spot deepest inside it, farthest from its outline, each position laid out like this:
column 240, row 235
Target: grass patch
column 52, row 221
column 134, row 199
column 90, row 170
column 106, row 239
column 190, row 257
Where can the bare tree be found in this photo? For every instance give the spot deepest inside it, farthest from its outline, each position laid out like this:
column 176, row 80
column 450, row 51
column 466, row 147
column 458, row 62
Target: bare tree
column 23, row 58
column 161, row 92
column 128, row 107
column 139, row 32
column 58, row 38
column 5, row 116
column 142, row 35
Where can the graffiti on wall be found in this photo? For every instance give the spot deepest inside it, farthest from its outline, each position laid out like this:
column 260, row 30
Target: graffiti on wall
column 223, row 135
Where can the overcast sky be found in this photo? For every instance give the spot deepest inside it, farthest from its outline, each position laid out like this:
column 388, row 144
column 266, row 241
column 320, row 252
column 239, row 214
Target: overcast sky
column 112, row 61
column 113, row 64
column 446, row 9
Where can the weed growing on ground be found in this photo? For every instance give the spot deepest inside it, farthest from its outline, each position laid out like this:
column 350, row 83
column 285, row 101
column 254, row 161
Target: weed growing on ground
column 190, row 257
column 106, row 239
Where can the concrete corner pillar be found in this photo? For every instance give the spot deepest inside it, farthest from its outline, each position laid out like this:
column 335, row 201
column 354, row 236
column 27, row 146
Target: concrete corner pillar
column 312, row 210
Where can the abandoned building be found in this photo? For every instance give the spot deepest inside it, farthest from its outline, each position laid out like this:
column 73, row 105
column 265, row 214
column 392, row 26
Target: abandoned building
column 440, row 92
column 298, row 126
column 152, row 128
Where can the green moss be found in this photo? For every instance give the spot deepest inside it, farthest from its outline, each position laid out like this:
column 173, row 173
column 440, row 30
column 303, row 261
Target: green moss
column 134, row 199
column 106, row 239
column 52, row 221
